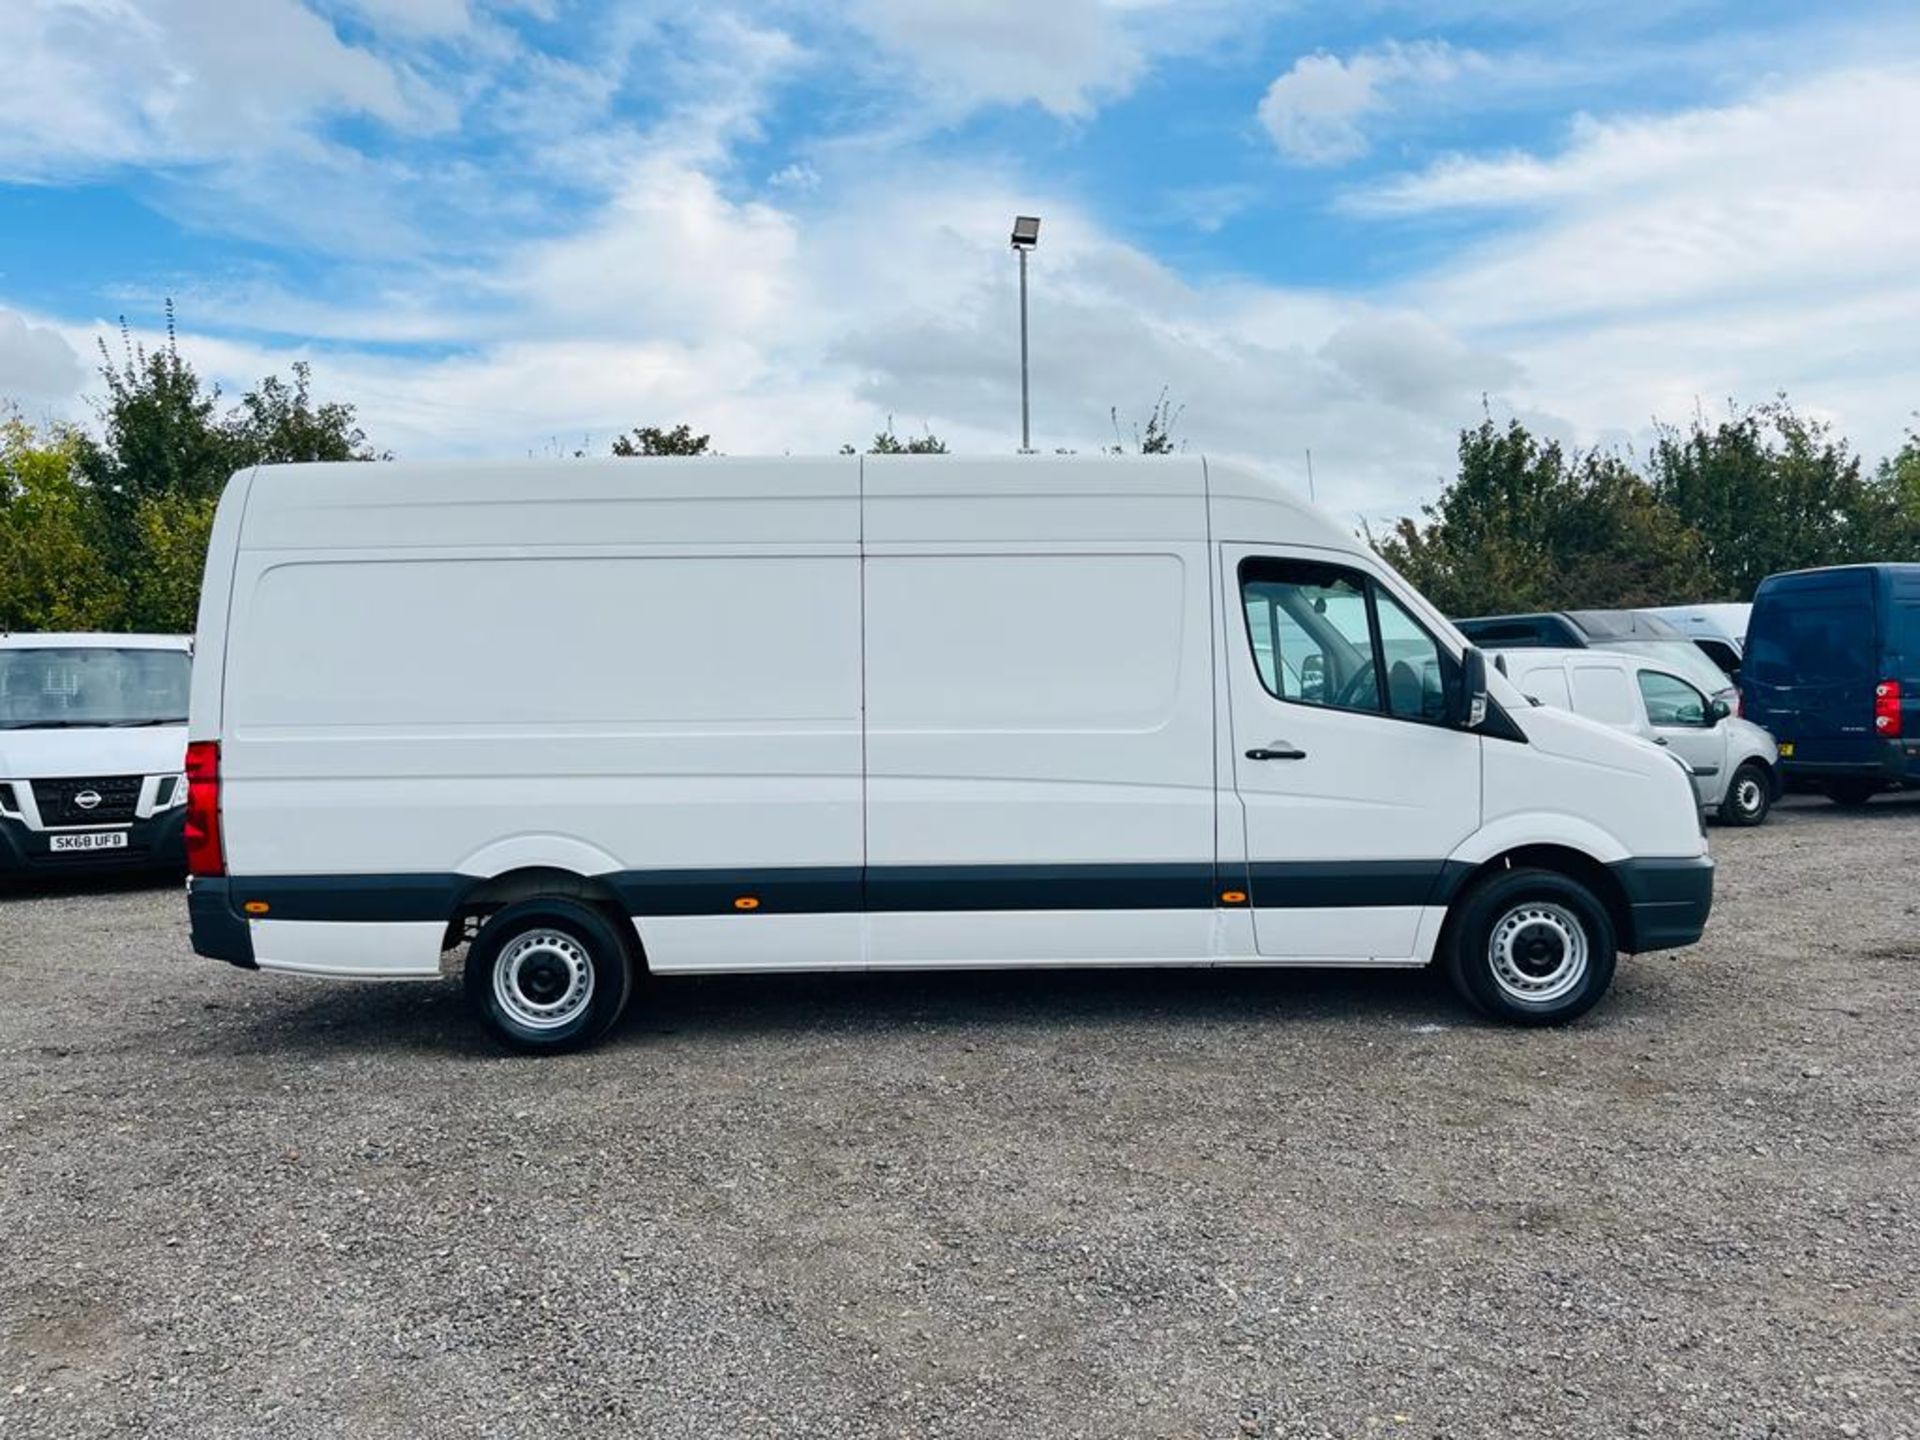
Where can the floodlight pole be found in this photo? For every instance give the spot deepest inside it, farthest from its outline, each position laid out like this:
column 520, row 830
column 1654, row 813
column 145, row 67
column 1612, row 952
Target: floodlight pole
column 1026, row 437
column 1026, row 235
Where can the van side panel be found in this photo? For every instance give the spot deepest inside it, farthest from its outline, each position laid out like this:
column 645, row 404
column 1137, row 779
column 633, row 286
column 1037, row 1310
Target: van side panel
column 1040, row 770
column 417, row 696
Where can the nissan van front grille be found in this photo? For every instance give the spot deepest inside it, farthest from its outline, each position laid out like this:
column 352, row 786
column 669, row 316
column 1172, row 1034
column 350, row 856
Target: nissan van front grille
column 109, row 800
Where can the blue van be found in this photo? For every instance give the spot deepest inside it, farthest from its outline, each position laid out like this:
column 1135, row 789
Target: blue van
column 1833, row 670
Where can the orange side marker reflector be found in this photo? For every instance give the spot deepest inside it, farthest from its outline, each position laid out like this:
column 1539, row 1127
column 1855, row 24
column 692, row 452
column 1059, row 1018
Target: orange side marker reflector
column 746, row 902
column 256, row 907
column 1233, row 897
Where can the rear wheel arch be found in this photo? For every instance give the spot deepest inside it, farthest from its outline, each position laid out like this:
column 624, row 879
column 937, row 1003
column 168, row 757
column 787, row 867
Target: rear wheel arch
column 485, row 898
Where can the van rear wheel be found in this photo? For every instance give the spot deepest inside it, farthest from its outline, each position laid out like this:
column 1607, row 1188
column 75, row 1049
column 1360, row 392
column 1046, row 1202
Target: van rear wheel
column 549, row 975
column 1531, row 947
column 1851, row 793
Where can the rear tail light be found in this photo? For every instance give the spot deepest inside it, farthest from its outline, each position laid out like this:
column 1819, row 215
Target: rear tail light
column 205, row 855
column 1886, row 709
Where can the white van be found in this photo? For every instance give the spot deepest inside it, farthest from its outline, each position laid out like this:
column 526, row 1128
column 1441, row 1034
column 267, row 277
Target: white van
column 1719, row 630
column 93, row 737
column 857, row 713
column 1734, row 762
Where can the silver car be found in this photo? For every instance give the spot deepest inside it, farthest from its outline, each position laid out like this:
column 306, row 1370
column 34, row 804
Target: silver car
column 1735, row 765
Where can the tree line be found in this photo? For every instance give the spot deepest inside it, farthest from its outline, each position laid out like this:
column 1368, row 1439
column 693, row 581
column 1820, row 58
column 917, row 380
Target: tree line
column 105, row 528
column 1711, row 510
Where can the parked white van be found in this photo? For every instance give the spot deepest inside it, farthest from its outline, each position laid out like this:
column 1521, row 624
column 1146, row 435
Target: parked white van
column 1719, row 630
column 880, row 713
column 1734, row 762
column 93, row 736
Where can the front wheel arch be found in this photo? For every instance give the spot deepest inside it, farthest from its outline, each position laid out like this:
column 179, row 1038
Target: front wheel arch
column 1574, row 864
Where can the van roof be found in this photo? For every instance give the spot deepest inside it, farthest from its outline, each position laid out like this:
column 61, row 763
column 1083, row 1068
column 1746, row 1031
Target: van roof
column 1537, row 655
column 396, row 487
column 49, row 640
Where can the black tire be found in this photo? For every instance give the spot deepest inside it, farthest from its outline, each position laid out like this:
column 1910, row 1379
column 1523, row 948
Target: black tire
column 569, row 960
column 1852, row 793
column 1749, row 795
column 1536, row 949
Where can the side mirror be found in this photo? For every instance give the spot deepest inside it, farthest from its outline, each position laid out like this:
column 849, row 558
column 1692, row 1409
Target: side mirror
column 1717, row 710
column 1470, row 711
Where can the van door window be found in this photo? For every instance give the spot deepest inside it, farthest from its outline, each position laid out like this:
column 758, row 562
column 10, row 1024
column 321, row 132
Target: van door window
column 1327, row 635
column 1416, row 679
column 1310, row 622
column 1672, row 702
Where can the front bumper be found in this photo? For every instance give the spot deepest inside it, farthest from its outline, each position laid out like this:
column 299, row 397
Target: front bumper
column 158, row 842
column 1668, row 901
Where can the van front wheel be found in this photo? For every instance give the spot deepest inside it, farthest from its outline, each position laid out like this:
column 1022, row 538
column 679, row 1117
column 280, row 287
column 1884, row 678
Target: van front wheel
column 1749, row 796
column 549, row 975
column 1531, row 947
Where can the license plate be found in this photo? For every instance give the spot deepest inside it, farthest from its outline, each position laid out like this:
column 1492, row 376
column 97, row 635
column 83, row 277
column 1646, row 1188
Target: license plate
column 90, row 840
column 1786, row 750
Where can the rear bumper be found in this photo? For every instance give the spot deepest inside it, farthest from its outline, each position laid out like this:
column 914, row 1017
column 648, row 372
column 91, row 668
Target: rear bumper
column 158, row 843
column 1890, row 762
column 219, row 932
column 1668, row 901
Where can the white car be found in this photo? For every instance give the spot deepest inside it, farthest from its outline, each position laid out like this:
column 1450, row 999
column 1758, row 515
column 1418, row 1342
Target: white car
column 93, row 739
column 901, row 712
column 1734, row 762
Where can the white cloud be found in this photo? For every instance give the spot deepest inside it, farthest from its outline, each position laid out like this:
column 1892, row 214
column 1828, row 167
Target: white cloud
column 37, row 364
column 1315, row 111
column 435, row 19
column 95, row 83
column 1720, row 252
column 1063, row 55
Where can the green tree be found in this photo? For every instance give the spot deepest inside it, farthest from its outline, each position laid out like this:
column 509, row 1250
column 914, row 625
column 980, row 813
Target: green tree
column 1156, row 437
column 160, row 435
column 278, row 424
column 650, row 440
column 164, row 452
column 1767, row 489
column 1526, row 526
column 888, row 443
column 51, row 576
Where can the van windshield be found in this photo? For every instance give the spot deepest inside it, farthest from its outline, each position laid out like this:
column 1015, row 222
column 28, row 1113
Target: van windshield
column 60, row 687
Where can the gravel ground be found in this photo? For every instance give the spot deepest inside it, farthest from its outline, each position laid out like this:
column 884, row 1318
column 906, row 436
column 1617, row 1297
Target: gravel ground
column 1031, row 1205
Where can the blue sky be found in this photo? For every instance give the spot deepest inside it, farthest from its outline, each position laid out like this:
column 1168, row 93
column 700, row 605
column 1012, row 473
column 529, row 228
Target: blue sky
column 513, row 226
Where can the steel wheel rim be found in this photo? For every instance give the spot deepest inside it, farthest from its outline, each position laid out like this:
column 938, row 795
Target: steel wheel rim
column 1538, row 952
column 1747, row 795
column 543, row 980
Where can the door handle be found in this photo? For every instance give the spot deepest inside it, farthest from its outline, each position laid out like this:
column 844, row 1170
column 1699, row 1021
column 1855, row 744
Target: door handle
column 1278, row 750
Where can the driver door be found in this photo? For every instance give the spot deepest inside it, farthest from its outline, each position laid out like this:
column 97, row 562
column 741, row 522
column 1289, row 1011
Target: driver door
column 1352, row 786
column 1677, row 717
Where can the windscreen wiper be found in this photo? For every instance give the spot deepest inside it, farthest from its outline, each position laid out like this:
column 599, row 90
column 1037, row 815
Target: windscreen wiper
column 138, row 724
